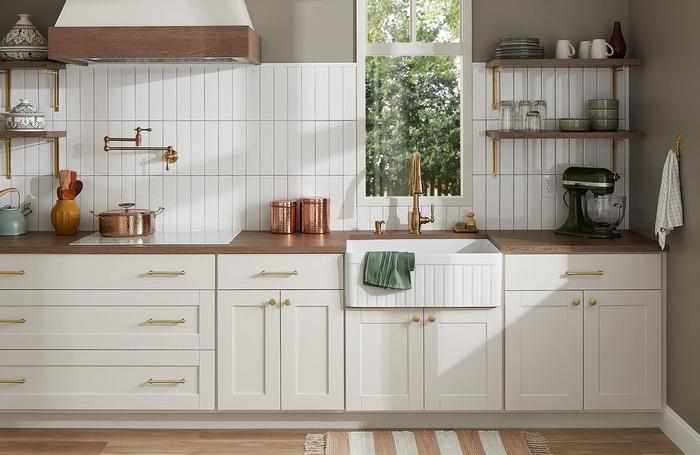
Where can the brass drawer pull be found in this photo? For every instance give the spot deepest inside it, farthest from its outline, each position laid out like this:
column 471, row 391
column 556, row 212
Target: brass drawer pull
column 593, row 301
column 415, row 319
column 12, row 272
column 595, row 273
column 287, row 302
column 13, row 381
column 13, row 321
column 166, row 321
column 166, row 381
column 157, row 273
column 431, row 319
column 266, row 273
column 576, row 302
column 272, row 302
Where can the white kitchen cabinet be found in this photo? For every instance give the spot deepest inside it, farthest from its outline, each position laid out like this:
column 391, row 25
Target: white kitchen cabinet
column 248, row 350
column 544, row 350
column 463, row 360
column 280, row 350
column 584, row 339
column 434, row 360
column 622, row 353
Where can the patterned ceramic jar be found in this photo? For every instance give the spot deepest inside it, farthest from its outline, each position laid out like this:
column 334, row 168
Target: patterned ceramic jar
column 24, row 42
column 24, row 117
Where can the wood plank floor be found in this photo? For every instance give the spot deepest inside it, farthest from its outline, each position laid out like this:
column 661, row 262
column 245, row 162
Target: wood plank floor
column 285, row 442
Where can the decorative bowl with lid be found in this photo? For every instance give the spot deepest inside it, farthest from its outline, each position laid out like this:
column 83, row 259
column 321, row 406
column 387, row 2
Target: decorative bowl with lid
column 24, row 116
column 24, row 42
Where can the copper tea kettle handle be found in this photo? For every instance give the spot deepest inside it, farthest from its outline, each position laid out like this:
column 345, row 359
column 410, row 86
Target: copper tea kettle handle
column 8, row 191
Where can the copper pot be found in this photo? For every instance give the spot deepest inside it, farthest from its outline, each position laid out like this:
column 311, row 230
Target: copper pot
column 128, row 221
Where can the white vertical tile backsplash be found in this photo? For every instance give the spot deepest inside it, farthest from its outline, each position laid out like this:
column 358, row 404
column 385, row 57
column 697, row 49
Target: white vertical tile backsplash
column 248, row 135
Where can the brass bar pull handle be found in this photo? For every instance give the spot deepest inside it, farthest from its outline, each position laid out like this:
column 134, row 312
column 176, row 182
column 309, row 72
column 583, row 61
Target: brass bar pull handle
column 166, row 381
column 594, row 273
column 12, row 272
column 266, row 273
column 165, row 273
column 13, row 381
column 13, row 321
column 166, row 321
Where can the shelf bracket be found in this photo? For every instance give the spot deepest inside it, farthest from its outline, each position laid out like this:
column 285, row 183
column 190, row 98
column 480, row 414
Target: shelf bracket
column 495, row 143
column 55, row 84
column 613, row 79
column 56, row 150
column 6, row 89
column 8, row 161
column 494, row 94
column 613, row 155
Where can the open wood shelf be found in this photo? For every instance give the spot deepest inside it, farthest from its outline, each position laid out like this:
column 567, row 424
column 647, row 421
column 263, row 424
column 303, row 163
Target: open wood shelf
column 31, row 64
column 619, row 135
column 561, row 63
column 5, row 134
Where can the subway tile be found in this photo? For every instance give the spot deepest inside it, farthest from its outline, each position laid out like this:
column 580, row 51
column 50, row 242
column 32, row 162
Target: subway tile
column 211, row 93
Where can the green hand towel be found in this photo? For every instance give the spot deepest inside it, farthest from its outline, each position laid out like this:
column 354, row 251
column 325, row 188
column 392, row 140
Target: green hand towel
column 389, row 269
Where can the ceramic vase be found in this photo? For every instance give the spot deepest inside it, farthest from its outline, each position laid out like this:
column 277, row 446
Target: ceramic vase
column 24, row 42
column 65, row 217
column 617, row 42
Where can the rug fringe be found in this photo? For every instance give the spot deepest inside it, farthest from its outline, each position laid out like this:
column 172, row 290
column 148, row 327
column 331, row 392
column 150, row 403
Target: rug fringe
column 315, row 444
column 536, row 443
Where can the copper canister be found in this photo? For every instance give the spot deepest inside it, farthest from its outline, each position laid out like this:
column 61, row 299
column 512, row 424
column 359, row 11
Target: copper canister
column 283, row 217
column 314, row 215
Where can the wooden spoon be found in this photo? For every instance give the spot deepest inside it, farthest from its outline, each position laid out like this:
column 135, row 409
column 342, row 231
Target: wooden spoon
column 68, row 194
column 76, row 186
column 59, row 193
column 64, row 178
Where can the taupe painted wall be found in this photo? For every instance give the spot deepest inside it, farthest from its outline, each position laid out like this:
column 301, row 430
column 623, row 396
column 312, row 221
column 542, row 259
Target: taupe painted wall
column 665, row 101
column 324, row 30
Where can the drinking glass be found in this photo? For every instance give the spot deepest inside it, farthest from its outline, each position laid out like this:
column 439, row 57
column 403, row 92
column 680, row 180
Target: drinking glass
column 507, row 110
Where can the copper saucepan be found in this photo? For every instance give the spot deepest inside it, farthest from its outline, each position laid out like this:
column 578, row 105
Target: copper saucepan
column 128, row 221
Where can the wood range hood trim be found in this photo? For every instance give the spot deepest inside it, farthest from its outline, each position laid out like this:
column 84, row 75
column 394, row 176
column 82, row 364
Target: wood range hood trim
column 146, row 44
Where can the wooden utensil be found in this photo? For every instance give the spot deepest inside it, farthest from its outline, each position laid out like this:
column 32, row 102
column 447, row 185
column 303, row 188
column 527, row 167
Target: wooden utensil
column 68, row 194
column 59, row 193
column 64, row 178
column 76, row 186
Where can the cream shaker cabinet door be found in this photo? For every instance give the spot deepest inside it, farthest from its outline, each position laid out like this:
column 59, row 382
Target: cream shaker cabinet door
column 622, row 356
column 312, row 350
column 544, row 350
column 384, row 350
column 248, row 350
column 463, row 359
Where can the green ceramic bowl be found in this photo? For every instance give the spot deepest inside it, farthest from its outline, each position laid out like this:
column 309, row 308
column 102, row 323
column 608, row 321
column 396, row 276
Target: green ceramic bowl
column 603, row 114
column 604, row 104
column 604, row 125
column 574, row 124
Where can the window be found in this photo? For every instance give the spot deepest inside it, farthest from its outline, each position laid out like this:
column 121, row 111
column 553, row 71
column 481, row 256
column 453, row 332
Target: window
column 411, row 53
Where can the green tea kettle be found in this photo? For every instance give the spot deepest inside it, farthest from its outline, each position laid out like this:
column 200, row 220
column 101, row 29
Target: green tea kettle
column 13, row 220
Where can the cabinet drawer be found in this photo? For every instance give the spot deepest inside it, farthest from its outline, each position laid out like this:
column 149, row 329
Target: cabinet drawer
column 280, row 271
column 112, row 380
column 106, row 319
column 583, row 271
column 110, row 271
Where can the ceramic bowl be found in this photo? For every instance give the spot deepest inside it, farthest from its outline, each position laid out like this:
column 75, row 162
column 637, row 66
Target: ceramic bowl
column 574, row 124
column 604, row 104
column 24, row 116
column 603, row 114
column 605, row 125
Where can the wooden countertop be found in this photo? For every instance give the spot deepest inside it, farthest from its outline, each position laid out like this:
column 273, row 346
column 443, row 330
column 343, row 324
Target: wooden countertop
column 249, row 242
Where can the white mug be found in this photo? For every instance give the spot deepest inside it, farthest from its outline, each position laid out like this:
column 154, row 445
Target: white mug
column 601, row 49
column 584, row 49
column 565, row 49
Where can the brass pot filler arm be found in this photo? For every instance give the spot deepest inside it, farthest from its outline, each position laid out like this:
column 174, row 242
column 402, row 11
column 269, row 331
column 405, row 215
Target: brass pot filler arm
column 170, row 156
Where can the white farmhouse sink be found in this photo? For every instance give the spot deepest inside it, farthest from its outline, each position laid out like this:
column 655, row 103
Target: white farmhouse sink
column 450, row 273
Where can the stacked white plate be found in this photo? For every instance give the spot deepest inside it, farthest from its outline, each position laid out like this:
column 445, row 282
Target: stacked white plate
column 519, row 48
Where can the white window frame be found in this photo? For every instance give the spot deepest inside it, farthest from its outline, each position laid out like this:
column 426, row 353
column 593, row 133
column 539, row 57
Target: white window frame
column 463, row 49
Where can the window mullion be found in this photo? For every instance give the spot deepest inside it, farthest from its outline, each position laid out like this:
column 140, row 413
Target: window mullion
column 414, row 21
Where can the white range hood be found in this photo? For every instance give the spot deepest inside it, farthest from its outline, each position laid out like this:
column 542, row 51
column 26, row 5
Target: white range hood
column 91, row 31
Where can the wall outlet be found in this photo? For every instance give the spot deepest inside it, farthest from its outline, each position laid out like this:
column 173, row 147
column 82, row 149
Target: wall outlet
column 548, row 186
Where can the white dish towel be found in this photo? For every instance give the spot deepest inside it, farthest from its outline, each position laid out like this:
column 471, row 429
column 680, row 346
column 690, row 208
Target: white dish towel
column 669, row 212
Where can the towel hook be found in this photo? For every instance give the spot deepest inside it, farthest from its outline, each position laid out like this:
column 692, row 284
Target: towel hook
column 679, row 144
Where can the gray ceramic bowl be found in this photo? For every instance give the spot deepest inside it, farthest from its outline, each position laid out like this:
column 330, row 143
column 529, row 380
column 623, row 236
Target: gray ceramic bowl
column 574, row 124
column 604, row 125
column 603, row 104
column 603, row 114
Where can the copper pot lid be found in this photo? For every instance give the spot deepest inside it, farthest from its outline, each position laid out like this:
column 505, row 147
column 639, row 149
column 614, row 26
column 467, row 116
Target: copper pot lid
column 127, row 208
column 314, row 200
column 281, row 203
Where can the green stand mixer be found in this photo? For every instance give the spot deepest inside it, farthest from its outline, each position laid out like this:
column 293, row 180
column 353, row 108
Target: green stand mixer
column 596, row 215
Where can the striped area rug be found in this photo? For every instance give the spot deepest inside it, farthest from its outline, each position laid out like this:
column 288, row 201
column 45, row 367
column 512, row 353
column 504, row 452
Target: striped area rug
column 458, row 442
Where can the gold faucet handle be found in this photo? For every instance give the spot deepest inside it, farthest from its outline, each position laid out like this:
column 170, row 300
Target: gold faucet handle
column 378, row 226
column 432, row 213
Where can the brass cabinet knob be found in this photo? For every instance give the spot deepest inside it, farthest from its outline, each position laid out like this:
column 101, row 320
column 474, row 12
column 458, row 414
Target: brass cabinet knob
column 272, row 302
column 415, row 319
column 593, row 301
column 576, row 301
column 431, row 318
column 287, row 302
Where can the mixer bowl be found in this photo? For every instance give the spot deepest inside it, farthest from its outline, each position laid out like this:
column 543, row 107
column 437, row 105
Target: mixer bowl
column 607, row 211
